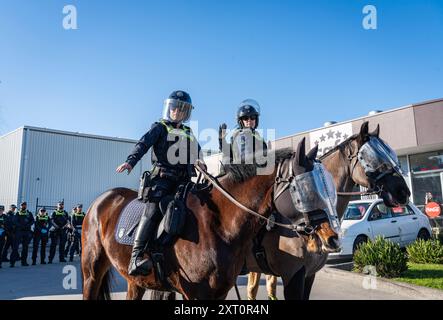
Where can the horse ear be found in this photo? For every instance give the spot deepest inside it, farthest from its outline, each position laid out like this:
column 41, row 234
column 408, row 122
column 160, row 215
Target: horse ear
column 376, row 132
column 364, row 130
column 313, row 153
column 301, row 153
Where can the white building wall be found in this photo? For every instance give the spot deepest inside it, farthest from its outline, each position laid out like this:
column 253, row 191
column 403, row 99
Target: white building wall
column 76, row 168
column 10, row 151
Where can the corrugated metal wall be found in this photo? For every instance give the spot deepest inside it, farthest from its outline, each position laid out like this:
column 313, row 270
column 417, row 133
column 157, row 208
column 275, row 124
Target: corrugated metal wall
column 74, row 168
column 10, row 151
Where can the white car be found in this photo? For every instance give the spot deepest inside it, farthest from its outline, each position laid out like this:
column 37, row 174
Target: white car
column 367, row 219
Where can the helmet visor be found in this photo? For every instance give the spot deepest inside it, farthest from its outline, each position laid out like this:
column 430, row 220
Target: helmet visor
column 176, row 110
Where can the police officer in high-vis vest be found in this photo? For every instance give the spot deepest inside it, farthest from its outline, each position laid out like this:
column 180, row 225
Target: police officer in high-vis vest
column 9, row 231
column 3, row 218
column 57, row 232
column 245, row 140
column 175, row 150
column 23, row 221
column 41, row 235
column 76, row 222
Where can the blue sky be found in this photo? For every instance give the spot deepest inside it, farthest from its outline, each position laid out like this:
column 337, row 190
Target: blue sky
column 306, row 62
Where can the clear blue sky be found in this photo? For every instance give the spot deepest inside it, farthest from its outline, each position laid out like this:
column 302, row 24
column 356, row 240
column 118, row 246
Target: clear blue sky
column 306, row 62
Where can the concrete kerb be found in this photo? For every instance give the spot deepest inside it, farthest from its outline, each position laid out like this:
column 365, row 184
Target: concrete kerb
column 394, row 287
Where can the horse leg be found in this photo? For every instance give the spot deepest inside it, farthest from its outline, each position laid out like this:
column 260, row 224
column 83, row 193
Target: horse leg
column 295, row 289
column 96, row 272
column 135, row 292
column 253, row 284
column 309, row 281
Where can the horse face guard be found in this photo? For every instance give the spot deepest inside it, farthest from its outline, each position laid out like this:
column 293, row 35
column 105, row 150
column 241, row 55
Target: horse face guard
column 378, row 160
column 313, row 199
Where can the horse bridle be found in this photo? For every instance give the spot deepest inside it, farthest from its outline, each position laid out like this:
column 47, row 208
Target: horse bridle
column 375, row 190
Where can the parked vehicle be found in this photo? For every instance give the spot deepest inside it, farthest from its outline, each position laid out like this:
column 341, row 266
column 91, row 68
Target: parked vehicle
column 367, row 219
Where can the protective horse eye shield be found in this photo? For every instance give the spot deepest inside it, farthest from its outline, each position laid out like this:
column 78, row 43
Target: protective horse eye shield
column 377, row 156
column 315, row 190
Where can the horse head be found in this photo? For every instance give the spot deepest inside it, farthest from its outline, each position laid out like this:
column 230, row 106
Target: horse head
column 308, row 199
column 373, row 164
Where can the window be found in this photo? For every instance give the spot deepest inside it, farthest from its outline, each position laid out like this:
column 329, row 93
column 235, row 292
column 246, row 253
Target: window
column 355, row 211
column 426, row 161
column 380, row 211
column 403, row 164
column 426, row 171
column 428, row 182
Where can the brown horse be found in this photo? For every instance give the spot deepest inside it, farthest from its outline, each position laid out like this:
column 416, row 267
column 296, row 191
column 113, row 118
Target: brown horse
column 205, row 261
column 288, row 256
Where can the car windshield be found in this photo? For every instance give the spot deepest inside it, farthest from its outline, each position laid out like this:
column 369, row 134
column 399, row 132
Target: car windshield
column 355, row 211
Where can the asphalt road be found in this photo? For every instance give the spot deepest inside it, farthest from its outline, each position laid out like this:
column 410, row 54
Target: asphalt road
column 50, row 282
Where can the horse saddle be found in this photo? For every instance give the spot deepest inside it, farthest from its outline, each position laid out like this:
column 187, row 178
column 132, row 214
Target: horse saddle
column 172, row 224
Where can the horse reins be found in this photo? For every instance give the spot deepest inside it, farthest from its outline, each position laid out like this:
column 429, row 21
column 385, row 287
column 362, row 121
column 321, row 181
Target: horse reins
column 215, row 183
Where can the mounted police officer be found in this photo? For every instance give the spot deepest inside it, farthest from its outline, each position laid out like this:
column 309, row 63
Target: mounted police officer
column 3, row 218
column 57, row 232
column 76, row 222
column 23, row 221
column 175, row 150
column 245, row 140
column 9, row 231
column 41, row 235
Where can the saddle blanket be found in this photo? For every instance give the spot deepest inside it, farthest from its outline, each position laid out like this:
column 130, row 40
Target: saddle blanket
column 128, row 222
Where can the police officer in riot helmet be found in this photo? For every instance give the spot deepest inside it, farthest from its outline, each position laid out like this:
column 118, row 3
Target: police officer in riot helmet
column 23, row 221
column 3, row 218
column 245, row 139
column 57, row 232
column 170, row 169
column 41, row 235
column 76, row 222
column 9, row 231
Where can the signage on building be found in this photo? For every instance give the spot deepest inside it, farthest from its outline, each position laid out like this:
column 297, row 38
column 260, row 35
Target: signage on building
column 329, row 137
column 432, row 209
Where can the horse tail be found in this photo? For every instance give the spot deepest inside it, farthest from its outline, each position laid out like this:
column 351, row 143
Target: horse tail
column 104, row 292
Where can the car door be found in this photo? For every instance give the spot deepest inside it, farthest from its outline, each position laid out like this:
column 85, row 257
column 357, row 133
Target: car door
column 407, row 222
column 383, row 224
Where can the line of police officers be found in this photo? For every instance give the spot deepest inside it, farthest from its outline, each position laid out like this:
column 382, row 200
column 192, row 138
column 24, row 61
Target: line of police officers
column 20, row 227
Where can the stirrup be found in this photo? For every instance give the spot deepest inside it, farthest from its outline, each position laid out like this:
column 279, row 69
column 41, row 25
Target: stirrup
column 140, row 267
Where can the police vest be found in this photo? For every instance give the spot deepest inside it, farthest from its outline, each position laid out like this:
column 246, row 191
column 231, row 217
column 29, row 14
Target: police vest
column 177, row 148
column 245, row 142
column 23, row 212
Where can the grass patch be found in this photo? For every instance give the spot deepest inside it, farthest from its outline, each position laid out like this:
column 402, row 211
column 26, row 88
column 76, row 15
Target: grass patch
column 426, row 275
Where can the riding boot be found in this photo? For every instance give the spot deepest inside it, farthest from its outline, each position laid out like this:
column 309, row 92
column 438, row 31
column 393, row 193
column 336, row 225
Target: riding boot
column 138, row 265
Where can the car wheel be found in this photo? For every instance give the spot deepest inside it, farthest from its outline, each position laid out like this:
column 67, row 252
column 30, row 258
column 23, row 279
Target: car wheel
column 424, row 235
column 358, row 241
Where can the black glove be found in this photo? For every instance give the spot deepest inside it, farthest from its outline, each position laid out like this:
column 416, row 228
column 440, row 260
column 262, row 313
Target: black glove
column 222, row 131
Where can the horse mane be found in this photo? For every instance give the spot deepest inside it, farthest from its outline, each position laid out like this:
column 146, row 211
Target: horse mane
column 238, row 173
column 341, row 146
